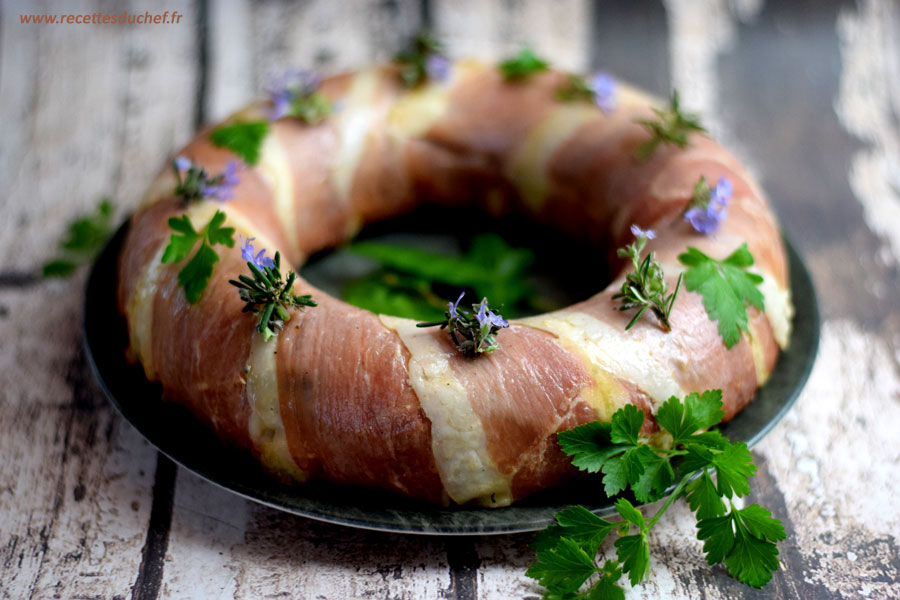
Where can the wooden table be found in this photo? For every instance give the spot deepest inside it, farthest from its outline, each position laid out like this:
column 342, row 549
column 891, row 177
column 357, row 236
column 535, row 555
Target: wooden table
column 808, row 93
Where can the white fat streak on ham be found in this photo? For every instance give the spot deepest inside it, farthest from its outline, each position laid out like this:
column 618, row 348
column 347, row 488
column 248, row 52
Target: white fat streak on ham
column 458, row 439
column 266, row 426
column 139, row 313
column 611, row 353
column 274, row 166
column 413, row 113
column 357, row 115
column 527, row 167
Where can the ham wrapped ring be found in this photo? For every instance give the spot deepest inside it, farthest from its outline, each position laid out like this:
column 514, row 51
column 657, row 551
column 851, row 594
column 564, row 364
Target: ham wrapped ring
column 365, row 399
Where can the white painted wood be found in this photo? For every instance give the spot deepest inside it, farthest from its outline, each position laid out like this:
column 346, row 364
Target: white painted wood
column 835, row 457
column 869, row 107
column 251, row 42
column 557, row 31
column 222, row 546
column 208, row 522
column 699, row 33
column 87, row 110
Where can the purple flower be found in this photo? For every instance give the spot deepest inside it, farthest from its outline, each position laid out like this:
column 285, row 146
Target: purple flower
column 452, row 306
column 182, row 163
column 437, row 67
column 722, row 193
column 484, row 316
column 706, row 219
column 222, row 188
column 260, row 259
column 638, row 232
column 285, row 88
column 604, row 88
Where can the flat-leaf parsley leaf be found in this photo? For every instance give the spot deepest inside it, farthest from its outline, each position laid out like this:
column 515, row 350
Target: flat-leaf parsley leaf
column 244, row 139
column 524, row 64
column 726, row 286
column 194, row 276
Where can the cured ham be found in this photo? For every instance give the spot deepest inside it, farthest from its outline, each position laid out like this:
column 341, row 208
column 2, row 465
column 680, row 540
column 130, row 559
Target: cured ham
column 371, row 400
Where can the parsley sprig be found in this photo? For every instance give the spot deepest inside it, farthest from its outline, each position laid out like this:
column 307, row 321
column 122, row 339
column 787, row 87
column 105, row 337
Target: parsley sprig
column 410, row 280
column 524, row 64
column 672, row 127
column 86, row 236
column 194, row 276
column 744, row 539
column 727, row 288
column 645, row 287
column 244, row 139
column 270, row 295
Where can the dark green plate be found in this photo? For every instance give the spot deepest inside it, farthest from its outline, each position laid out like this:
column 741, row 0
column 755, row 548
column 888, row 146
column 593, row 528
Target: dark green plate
column 176, row 434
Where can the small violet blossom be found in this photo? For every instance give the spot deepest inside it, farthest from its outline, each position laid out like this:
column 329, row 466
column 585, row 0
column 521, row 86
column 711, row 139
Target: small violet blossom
column 638, row 233
column 604, row 88
column 182, row 163
column 453, row 306
column 194, row 183
column 260, row 259
column 437, row 67
column 487, row 318
column 222, row 188
column 705, row 215
column 284, row 89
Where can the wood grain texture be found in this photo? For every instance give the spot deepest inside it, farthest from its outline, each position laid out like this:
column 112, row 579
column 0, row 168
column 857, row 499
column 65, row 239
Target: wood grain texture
column 557, row 31
column 92, row 106
column 806, row 92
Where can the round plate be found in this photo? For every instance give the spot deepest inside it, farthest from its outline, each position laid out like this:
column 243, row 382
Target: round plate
column 174, row 431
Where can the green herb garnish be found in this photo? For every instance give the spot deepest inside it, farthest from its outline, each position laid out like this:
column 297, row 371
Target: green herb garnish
column 645, row 287
column 525, row 63
column 404, row 285
column 727, row 288
column 743, row 538
column 576, row 89
column 423, row 60
column 244, row 139
column 194, row 276
column 474, row 333
column 671, row 128
column 270, row 296
column 86, row 236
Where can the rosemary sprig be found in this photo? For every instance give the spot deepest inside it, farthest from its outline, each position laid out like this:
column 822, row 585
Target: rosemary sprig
column 671, row 128
column 295, row 94
column 645, row 287
column 477, row 331
column 599, row 89
column 422, row 61
column 270, row 296
column 194, row 183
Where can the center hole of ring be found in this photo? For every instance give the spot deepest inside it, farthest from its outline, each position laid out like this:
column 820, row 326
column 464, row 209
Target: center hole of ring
column 523, row 268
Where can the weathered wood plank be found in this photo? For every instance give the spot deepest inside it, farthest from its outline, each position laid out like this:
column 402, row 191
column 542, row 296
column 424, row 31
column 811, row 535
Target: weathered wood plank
column 835, row 460
column 869, row 108
column 629, row 39
column 92, row 109
column 558, row 31
column 250, row 42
